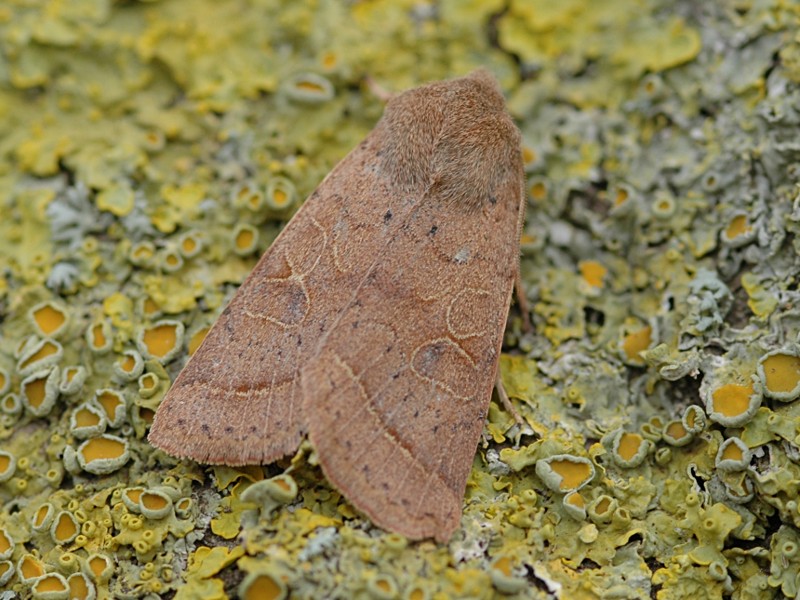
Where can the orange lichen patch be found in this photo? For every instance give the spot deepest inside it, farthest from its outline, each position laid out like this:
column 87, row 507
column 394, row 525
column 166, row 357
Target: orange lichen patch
column 110, row 401
column 329, row 60
column 573, row 474
column 99, row 566
column 5, row 543
column 127, row 363
column 35, row 392
column 5, row 567
column 172, row 260
column 184, row 504
column 3, row 380
column 41, row 515
column 248, row 196
column 732, row 452
column 691, row 419
column 384, row 585
column 153, row 501
column 664, row 205
column 621, row 196
column 161, row 339
column 603, row 505
column 142, row 253
column 86, row 418
column 504, row 565
column 98, row 336
column 189, row 245
column 593, row 273
column 263, row 587
column 737, row 227
column 197, row 339
column 636, row 342
column 65, row 528
column 49, row 318
column 134, row 494
column 576, row 499
column 69, row 373
column 279, row 197
column 538, row 191
column 46, row 349
column 30, row 567
column 103, row 448
column 10, row 404
column 284, row 485
column 676, row 430
column 78, row 587
column 244, row 240
column 5, row 464
column 52, row 582
column 528, row 155
column 417, row 594
column 781, row 373
column 148, row 381
column 732, row 400
column 150, row 308
column 629, row 444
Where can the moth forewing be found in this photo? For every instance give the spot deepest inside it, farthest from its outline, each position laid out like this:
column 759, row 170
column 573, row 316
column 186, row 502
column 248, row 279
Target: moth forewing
column 375, row 321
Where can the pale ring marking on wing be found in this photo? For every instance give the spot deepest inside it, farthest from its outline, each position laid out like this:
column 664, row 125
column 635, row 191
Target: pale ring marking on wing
column 457, row 301
column 300, row 280
column 451, row 344
column 319, row 252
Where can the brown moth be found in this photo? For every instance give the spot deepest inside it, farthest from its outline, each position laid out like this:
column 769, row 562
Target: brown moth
column 373, row 323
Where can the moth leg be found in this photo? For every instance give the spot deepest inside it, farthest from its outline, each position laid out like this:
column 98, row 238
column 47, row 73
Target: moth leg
column 520, row 427
column 378, row 90
column 522, row 303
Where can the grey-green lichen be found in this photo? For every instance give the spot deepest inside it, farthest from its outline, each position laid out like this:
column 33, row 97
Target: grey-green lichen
column 152, row 150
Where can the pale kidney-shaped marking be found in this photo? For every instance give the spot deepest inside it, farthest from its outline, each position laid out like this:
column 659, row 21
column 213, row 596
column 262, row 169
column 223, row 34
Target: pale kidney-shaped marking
column 309, row 246
column 470, row 313
column 443, row 363
column 287, row 304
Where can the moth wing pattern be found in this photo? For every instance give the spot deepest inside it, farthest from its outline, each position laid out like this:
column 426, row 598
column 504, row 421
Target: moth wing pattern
column 396, row 399
column 237, row 401
column 374, row 321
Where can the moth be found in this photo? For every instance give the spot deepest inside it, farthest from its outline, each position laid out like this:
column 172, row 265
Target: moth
column 373, row 324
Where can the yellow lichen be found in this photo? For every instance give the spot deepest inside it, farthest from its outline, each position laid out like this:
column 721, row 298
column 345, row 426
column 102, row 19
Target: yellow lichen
column 49, row 318
column 160, row 340
column 35, row 391
column 593, row 273
column 50, row 583
column 732, row 400
column 629, row 444
column 103, row 448
column 153, row 501
column 636, row 342
column 86, row 418
column 782, row 372
column 737, row 227
column 676, row 430
column 30, row 567
column 263, row 587
column 78, row 587
column 5, row 542
column 573, row 474
column 732, row 452
column 197, row 339
column 65, row 528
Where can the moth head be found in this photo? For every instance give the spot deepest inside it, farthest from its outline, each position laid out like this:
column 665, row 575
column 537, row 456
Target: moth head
column 452, row 140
